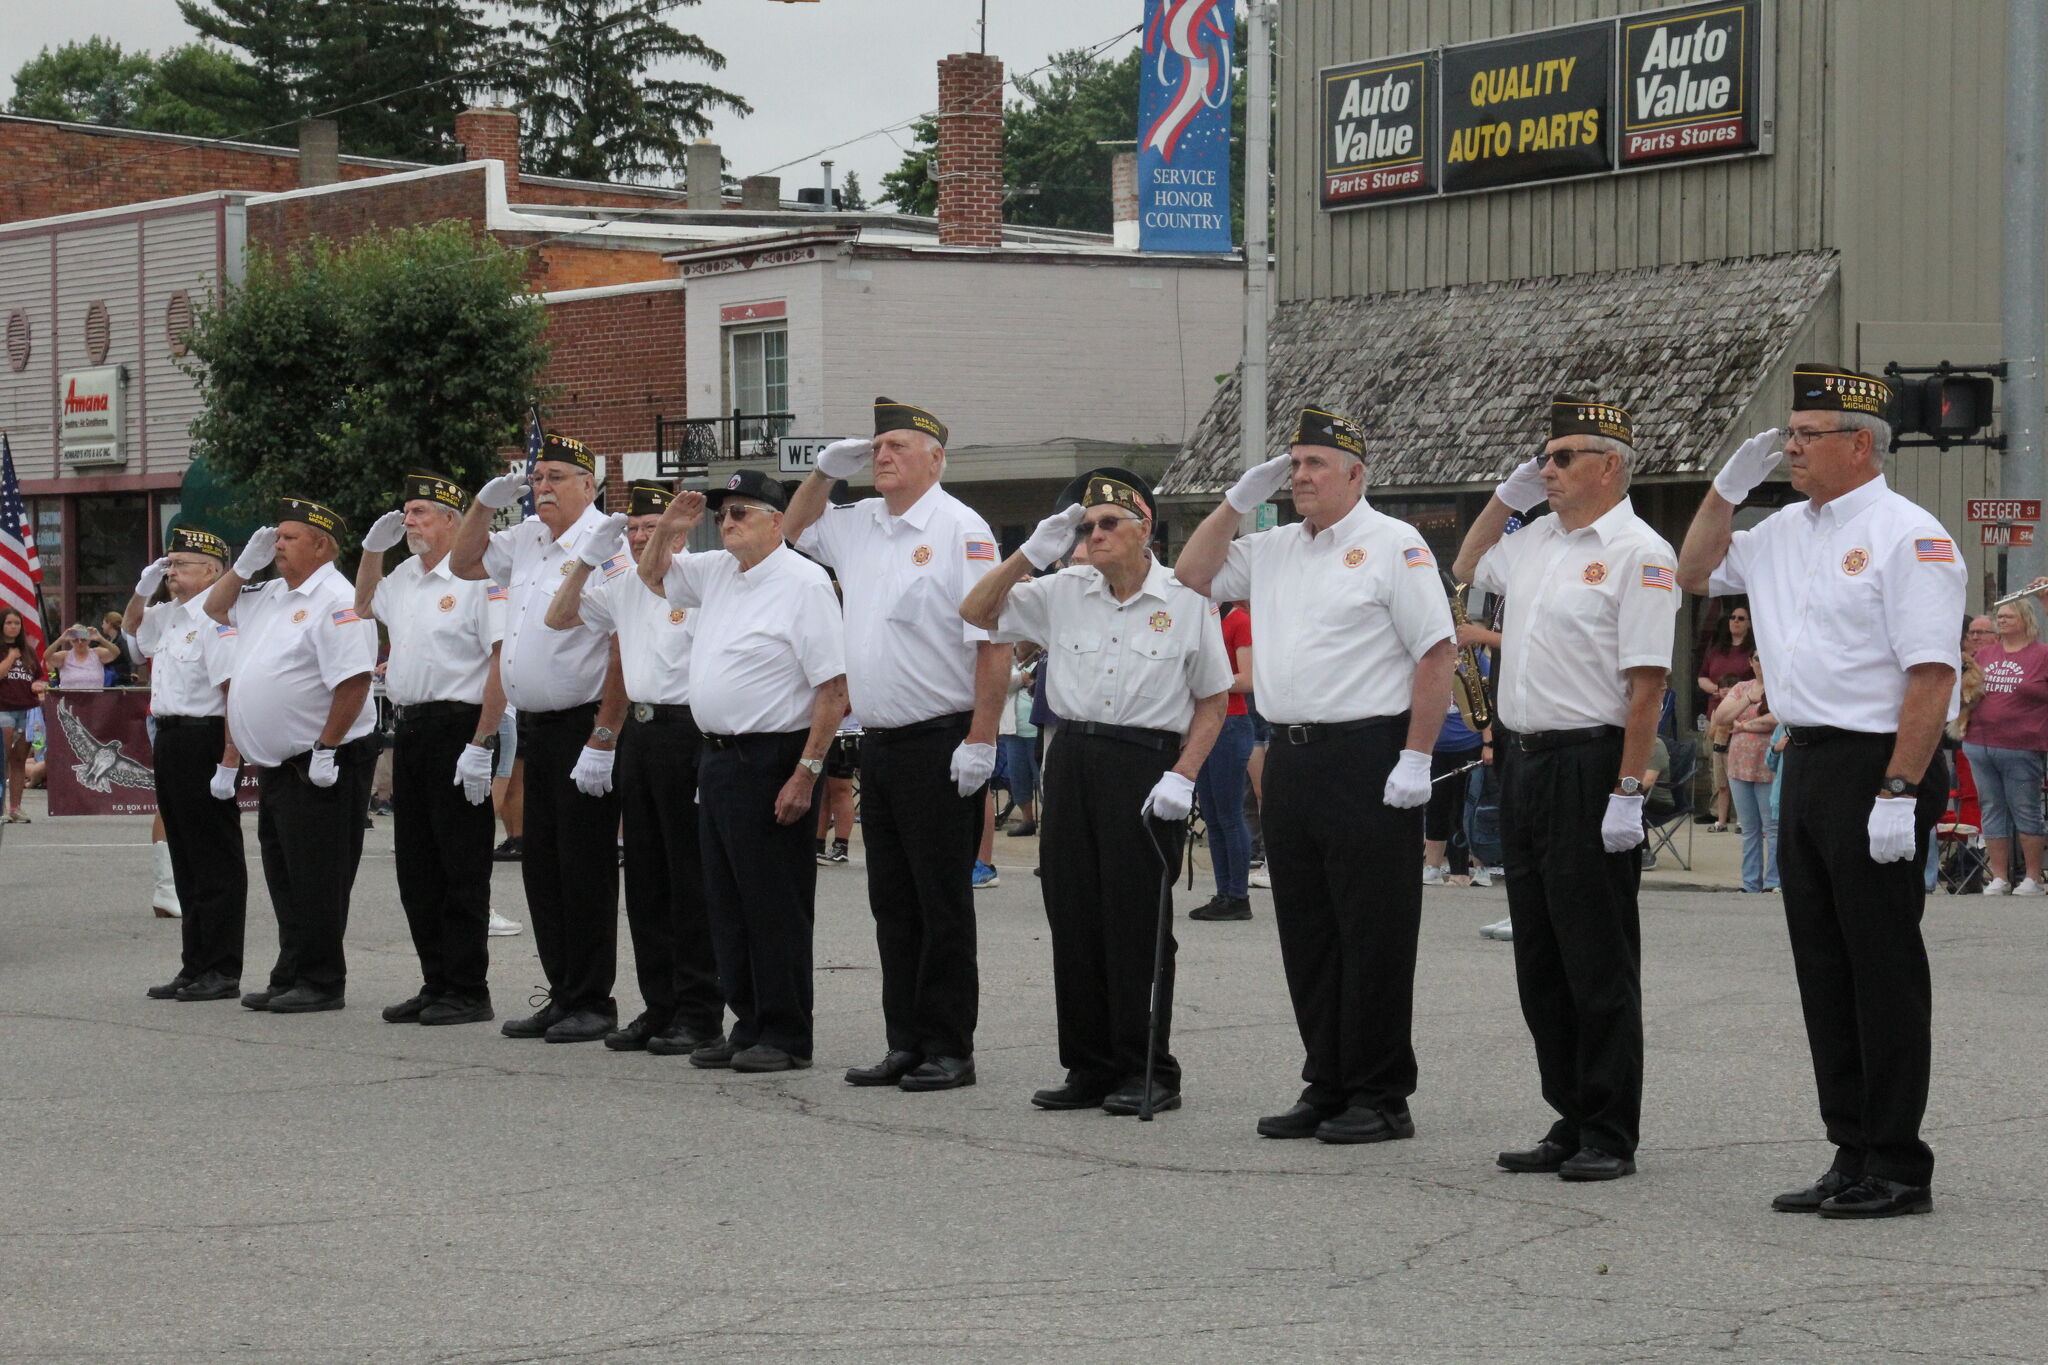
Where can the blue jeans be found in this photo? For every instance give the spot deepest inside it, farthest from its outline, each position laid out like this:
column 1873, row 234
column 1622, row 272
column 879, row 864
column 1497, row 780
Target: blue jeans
column 2009, row 789
column 1020, row 766
column 1759, row 834
column 1220, row 788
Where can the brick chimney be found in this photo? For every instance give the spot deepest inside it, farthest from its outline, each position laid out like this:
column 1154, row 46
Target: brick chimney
column 319, row 152
column 1123, row 199
column 970, row 150
column 491, row 135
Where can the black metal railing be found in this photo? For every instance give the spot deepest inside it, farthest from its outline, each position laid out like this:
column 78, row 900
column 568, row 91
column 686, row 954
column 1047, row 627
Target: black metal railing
column 687, row 447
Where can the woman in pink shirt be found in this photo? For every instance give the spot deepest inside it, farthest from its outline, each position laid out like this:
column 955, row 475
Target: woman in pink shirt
column 2007, row 737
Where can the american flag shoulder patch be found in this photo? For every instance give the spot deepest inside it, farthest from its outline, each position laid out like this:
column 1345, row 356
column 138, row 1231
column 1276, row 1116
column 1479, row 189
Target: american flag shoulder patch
column 982, row 549
column 614, row 566
column 1416, row 557
column 224, row 632
column 1660, row 576
column 344, row 616
column 1934, row 550
column 498, row 594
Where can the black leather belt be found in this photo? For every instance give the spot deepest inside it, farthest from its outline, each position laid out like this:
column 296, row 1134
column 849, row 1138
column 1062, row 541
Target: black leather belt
column 1309, row 734
column 1129, row 734
column 651, row 713
column 173, row 722
column 759, row 737
column 583, row 712
column 1807, row 735
column 1536, row 741
column 916, row 727
column 427, row 710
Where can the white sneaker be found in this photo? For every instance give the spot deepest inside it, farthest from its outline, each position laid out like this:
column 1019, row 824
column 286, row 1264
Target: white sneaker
column 1432, row 875
column 1502, row 931
column 502, row 927
column 2027, row 887
column 1260, row 878
column 1481, row 877
column 1998, row 886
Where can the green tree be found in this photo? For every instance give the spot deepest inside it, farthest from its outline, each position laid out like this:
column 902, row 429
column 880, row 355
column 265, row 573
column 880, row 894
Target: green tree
column 331, row 372
column 277, row 39
column 97, row 82
column 850, row 196
column 592, row 111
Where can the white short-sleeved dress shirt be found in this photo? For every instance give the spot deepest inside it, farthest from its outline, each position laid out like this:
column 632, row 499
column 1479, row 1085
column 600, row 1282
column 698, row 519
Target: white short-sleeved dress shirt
column 909, row 656
column 190, row 656
column 294, row 646
column 766, row 639
column 442, row 629
column 1583, row 607
column 542, row 669
column 654, row 636
column 1342, row 615
column 1844, row 598
column 1141, row 663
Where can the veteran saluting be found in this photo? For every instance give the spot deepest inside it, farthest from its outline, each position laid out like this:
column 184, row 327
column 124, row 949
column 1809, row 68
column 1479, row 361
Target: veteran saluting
column 1855, row 594
column 1591, row 598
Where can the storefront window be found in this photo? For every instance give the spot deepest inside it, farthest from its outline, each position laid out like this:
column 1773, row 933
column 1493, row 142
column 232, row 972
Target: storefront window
column 760, row 379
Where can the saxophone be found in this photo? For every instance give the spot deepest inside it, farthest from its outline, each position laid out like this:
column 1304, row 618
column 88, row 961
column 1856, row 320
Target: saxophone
column 1468, row 685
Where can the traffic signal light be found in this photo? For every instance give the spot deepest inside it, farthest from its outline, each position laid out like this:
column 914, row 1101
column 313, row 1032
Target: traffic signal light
column 1950, row 405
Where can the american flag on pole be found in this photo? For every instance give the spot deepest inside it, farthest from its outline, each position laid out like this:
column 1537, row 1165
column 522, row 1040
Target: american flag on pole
column 21, row 569
column 533, row 433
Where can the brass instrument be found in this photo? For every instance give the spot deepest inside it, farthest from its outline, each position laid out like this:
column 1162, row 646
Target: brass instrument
column 1468, row 685
column 2013, row 597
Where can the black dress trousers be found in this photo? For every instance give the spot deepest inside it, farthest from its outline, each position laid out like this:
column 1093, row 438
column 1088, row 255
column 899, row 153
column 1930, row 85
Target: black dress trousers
column 1857, row 950
column 760, row 886
column 1101, row 887
column 1347, row 902
column 657, row 784
column 571, row 863
column 1578, row 942
column 312, row 841
column 921, row 836
column 205, row 837
column 442, row 846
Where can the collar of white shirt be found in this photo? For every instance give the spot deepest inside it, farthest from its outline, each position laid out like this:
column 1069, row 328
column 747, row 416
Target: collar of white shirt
column 444, row 569
column 1605, row 525
column 314, row 580
column 1345, row 525
column 919, row 513
column 1157, row 580
column 572, row 537
column 769, row 565
column 1848, row 505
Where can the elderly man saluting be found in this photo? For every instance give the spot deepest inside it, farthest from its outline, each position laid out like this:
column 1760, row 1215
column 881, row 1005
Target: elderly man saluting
column 299, row 709
column 927, row 689
column 767, row 687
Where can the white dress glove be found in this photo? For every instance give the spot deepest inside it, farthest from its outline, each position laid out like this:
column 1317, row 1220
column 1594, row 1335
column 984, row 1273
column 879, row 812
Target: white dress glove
column 606, row 539
column 1171, row 797
column 972, row 763
column 593, row 771
column 1259, row 483
column 152, row 578
column 1054, row 536
column 223, row 782
column 503, row 491
column 258, row 554
column 321, row 771
column 844, row 459
column 1408, row 784
column 1523, row 488
column 473, row 768
column 1621, row 828
column 1891, row 828
column 385, row 532
column 1748, row 466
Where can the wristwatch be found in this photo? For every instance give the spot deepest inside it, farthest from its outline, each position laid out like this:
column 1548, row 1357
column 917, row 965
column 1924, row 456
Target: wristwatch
column 813, row 766
column 1630, row 786
column 604, row 734
column 489, row 741
column 1898, row 786
column 320, row 748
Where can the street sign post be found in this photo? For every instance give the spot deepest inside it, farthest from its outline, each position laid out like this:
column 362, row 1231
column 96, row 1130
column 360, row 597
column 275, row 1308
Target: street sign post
column 2003, row 536
column 799, row 454
column 2003, row 509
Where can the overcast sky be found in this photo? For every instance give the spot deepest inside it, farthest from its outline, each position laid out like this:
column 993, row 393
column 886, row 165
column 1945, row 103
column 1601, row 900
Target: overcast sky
column 816, row 73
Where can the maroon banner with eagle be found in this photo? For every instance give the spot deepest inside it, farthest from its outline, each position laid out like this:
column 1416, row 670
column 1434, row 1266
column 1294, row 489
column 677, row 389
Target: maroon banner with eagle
column 99, row 754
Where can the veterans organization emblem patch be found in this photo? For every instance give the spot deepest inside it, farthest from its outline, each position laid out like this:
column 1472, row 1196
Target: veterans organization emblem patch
column 447, row 602
column 1160, row 621
column 733, row 482
column 676, row 615
column 190, row 636
column 298, row 615
column 1353, row 557
column 1595, row 573
column 921, row 556
column 1856, row 561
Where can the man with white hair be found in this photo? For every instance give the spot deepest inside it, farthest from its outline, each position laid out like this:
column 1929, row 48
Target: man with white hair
column 1592, row 598
column 446, row 699
column 1855, row 592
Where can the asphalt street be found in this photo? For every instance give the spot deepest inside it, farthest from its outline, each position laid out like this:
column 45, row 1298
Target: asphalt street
column 198, row 1182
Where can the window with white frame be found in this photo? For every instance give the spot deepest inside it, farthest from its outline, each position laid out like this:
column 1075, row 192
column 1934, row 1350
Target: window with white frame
column 758, row 371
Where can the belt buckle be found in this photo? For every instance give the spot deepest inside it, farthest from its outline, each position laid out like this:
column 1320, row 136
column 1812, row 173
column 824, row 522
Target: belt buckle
column 1298, row 734
column 642, row 712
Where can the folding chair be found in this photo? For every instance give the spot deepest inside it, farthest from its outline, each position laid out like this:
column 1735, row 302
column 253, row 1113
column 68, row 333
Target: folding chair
column 1962, row 864
column 1685, row 762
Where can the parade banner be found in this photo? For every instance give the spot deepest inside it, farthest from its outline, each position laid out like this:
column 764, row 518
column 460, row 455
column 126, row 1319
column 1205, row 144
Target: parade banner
column 1184, row 126
column 99, row 756
column 1527, row 108
column 1689, row 83
column 1379, row 130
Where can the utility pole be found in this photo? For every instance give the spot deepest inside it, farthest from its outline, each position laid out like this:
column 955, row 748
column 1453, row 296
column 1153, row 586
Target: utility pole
column 2021, row 474
column 1258, row 196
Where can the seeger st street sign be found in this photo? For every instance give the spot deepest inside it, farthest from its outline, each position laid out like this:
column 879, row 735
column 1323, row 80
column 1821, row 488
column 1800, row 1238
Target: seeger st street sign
column 2003, row 509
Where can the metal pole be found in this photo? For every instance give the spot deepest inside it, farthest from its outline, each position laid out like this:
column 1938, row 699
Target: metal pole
column 1258, row 193
column 2021, row 474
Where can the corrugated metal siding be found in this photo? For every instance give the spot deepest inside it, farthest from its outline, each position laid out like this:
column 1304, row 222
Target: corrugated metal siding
column 179, row 254
column 25, row 396
column 100, row 263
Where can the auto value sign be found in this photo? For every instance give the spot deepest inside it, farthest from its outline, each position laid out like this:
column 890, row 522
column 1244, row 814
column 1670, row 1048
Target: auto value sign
column 1622, row 94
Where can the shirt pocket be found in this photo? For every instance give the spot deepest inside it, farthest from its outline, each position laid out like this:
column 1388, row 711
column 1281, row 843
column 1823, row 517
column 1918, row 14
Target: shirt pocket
column 919, row 597
column 1155, row 666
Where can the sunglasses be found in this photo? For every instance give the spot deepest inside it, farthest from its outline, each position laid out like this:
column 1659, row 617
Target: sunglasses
column 1563, row 458
column 1089, row 526
column 737, row 512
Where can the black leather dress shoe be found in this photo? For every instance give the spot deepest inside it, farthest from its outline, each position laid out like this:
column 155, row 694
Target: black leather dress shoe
column 888, row 1071
column 1813, row 1196
column 1367, row 1123
column 680, row 1040
column 1223, row 908
column 767, row 1057
column 534, row 1025
column 458, row 1012
column 210, row 986
column 1876, row 1197
column 939, row 1073
column 580, row 1026
column 260, row 1000
column 1299, row 1122
column 635, row 1036
column 169, row 990
column 1075, row 1094
column 304, row 1000
column 716, row 1055
column 1590, row 1163
column 407, row 1011
column 1543, row 1159
column 1126, row 1100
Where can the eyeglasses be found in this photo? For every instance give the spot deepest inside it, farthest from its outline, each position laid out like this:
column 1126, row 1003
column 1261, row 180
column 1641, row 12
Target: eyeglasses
column 1093, row 524
column 1803, row 438
column 738, row 511
column 1563, row 458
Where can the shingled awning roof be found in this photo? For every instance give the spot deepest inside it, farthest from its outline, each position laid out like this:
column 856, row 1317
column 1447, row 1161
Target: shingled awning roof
column 1453, row 385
